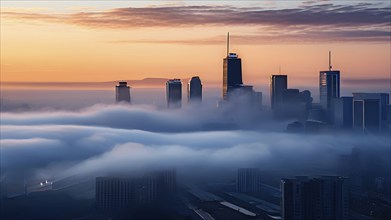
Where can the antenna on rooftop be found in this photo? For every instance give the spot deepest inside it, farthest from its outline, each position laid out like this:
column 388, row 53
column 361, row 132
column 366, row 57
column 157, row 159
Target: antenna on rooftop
column 279, row 69
column 330, row 61
column 227, row 44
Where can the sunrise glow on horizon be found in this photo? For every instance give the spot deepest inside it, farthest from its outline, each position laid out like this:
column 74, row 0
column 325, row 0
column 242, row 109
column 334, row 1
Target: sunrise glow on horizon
column 70, row 42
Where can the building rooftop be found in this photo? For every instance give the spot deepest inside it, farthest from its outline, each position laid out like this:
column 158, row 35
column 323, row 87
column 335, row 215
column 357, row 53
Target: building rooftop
column 232, row 55
column 122, row 83
column 174, row 81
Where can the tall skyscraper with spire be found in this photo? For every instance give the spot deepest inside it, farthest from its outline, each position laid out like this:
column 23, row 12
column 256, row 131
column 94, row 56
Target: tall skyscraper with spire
column 232, row 72
column 329, row 86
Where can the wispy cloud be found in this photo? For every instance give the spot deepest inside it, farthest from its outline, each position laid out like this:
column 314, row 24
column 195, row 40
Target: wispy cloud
column 309, row 22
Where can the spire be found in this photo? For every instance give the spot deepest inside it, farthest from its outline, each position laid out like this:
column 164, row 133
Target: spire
column 330, row 61
column 227, row 44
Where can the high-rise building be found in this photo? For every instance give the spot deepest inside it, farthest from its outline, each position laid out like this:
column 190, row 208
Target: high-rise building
column 194, row 90
column 174, row 93
column 341, row 112
column 248, row 180
column 122, row 92
column 119, row 193
column 295, row 104
column 278, row 84
column 370, row 111
column 232, row 72
column 366, row 115
column 323, row 197
column 329, row 86
column 113, row 193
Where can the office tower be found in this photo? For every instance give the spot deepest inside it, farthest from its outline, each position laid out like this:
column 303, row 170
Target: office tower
column 194, row 90
column 174, row 93
column 323, row 197
column 119, row 193
column 370, row 111
column 366, row 115
column 341, row 112
column 293, row 104
column 329, row 86
column 278, row 84
column 232, row 72
column 113, row 193
column 122, row 92
column 248, row 180
column 382, row 97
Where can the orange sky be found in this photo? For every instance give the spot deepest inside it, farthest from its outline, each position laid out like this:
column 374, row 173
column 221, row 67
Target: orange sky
column 41, row 49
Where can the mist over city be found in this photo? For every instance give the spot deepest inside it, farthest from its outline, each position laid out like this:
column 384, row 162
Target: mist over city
column 209, row 110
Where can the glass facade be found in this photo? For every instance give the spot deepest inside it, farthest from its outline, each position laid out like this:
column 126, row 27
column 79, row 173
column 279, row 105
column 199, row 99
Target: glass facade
column 194, row 89
column 174, row 93
column 232, row 73
column 329, row 86
column 278, row 84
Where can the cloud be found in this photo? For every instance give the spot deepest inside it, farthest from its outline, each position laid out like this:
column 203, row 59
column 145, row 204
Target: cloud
column 61, row 144
column 308, row 22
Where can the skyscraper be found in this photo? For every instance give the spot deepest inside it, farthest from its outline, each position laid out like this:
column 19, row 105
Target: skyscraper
column 113, row 193
column 323, row 197
column 370, row 111
column 232, row 72
column 329, row 86
column 341, row 113
column 248, row 180
column 122, row 92
column 118, row 192
column 194, row 90
column 174, row 93
column 278, row 84
column 382, row 97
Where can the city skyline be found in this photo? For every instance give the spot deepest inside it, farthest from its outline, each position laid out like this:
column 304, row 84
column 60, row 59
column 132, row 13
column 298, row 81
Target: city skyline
column 147, row 110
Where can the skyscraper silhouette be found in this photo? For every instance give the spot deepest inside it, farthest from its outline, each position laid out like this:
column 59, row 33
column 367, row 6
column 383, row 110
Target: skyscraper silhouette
column 370, row 111
column 324, row 197
column 232, row 72
column 194, row 90
column 329, row 86
column 278, row 84
column 122, row 92
column 174, row 93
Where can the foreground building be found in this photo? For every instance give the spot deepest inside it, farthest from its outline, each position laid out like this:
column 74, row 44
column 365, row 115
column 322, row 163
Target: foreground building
column 248, row 180
column 322, row 198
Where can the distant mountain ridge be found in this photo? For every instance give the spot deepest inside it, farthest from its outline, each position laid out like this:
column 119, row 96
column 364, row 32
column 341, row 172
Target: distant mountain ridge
column 149, row 82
